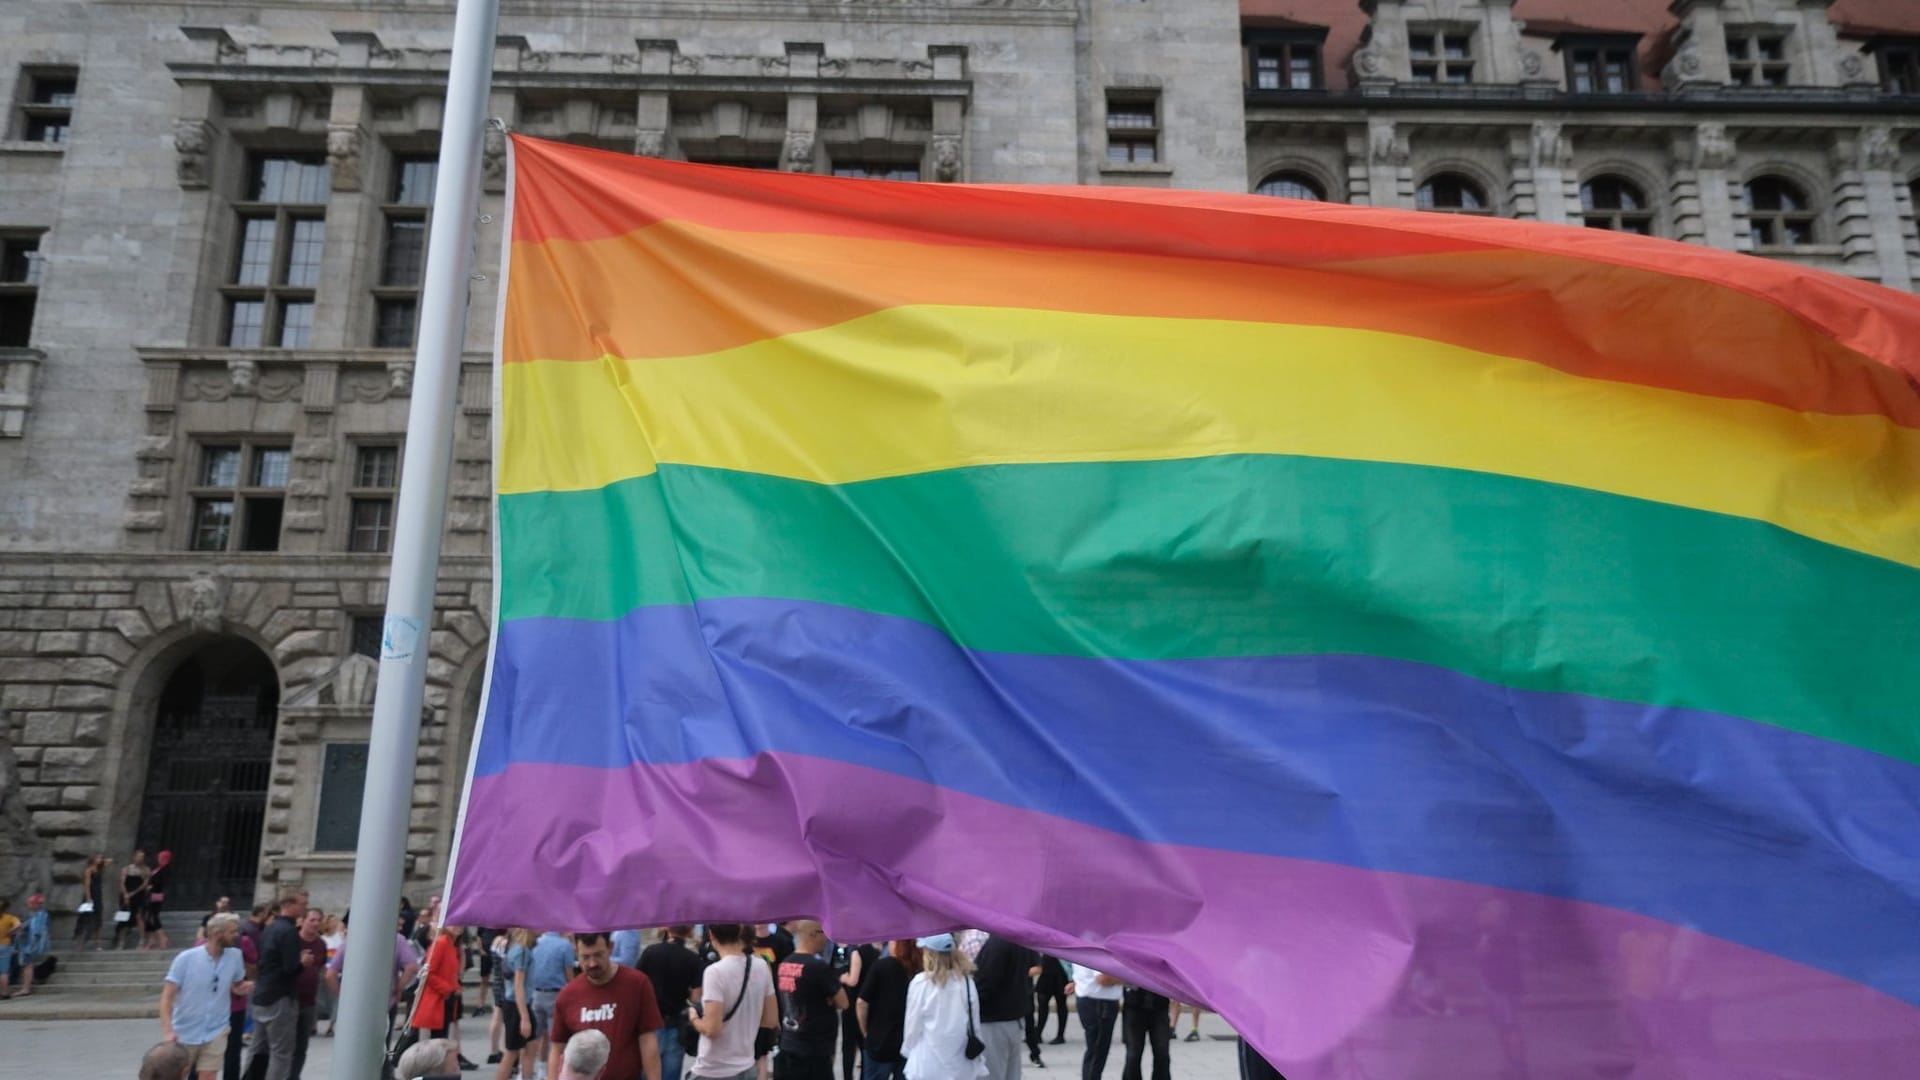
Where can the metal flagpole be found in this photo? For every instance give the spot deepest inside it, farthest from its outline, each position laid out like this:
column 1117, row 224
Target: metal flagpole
column 367, row 972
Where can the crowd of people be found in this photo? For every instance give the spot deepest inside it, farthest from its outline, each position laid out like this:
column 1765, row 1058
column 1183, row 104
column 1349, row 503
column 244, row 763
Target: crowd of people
column 719, row 1002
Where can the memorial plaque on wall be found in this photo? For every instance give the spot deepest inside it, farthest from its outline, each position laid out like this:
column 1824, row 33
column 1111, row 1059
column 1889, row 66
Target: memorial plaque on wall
column 342, row 779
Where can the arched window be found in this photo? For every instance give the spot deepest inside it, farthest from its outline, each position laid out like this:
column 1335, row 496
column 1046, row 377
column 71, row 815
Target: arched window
column 1454, row 194
column 1291, row 185
column 1613, row 202
column 1778, row 212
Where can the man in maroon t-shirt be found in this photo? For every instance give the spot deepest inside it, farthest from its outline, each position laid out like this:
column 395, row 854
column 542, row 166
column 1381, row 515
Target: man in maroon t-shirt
column 614, row 1000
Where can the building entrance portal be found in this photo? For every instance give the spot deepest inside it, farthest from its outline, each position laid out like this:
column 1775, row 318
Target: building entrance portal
column 211, row 758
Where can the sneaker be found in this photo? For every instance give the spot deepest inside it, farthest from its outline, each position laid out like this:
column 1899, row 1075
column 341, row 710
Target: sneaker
column 1193, row 1036
column 465, row 1065
column 493, row 1058
column 1057, row 1040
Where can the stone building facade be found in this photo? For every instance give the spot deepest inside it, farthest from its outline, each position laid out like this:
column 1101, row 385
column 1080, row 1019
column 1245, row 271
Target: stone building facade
column 212, row 217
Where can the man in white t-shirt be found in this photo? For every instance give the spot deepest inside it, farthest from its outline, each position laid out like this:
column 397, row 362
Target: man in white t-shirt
column 1099, row 1004
column 738, row 983
column 199, row 988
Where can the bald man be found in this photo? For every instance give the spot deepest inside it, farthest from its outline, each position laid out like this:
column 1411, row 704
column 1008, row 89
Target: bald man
column 810, row 997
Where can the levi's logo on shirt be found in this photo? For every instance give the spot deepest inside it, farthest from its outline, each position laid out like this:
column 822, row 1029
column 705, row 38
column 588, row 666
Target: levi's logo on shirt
column 599, row 1014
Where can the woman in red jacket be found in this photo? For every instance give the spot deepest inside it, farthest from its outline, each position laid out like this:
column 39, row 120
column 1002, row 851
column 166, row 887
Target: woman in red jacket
column 436, row 1015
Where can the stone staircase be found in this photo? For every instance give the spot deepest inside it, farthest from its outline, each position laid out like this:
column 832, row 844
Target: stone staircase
column 113, row 984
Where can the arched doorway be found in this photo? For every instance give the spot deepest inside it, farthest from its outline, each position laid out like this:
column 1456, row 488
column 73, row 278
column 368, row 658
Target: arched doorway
column 211, row 758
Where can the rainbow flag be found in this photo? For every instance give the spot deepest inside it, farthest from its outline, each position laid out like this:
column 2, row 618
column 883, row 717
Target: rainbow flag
column 1442, row 646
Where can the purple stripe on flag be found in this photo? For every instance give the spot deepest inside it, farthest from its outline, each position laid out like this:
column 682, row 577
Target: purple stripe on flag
column 1348, row 973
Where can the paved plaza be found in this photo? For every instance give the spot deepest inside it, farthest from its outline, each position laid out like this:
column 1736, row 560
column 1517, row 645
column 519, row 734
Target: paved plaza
column 110, row 1049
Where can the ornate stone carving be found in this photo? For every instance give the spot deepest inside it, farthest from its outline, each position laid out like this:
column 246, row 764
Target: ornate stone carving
column 1369, row 63
column 1877, row 148
column 685, row 65
column 192, row 141
column 400, row 378
column 650, row 144
column 1685, row 66
column 1550, row 148
column 207, row 601
column 797, row 154
column 1530, row 64
column 1712, row 146
column 242, row 374
column 354, row 680
column 946, row 158
column 343, row 155
column 1852, row 69
column 493, row 160
column 1384, row 144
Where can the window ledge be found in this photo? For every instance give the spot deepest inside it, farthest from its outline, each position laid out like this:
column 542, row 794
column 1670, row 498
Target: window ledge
column 1800, row 250
column 29, row 149
column 1153, row 169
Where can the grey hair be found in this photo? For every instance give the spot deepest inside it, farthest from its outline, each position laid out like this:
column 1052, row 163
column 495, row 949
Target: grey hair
column 587, row 1054
column 425, row 1057
column 222, row 921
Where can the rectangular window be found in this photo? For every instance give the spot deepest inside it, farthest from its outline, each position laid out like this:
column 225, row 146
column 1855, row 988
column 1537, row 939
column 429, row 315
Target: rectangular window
column 376, row 478
column 1133, row 129
column 1758, row 57
column 19, row 288
column 277, row 261
column 212, row 524
column 1286, row 65
column 1441, row 57
column 403, row 254
column 1595, row 67
column 46, row 116
column 876, row 170
column 235, row 509
column 393, row 323
column 1899, row 66
column 364, row 635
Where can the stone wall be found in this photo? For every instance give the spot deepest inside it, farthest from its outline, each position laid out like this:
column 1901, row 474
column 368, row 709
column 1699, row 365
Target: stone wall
column 87, row 643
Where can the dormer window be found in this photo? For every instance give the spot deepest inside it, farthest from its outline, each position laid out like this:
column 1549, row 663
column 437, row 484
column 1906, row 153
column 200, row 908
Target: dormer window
column 1899, row 61
column 1599, row 64
column 1285, row 59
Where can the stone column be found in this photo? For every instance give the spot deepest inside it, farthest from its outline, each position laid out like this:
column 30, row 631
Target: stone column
column 1708, row 206
column 1866, row 207
column 341, row 305
column 1539, row 167
column 1386, row 178
column 801, row 151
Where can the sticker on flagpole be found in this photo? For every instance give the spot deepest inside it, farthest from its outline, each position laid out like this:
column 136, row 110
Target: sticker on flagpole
column 400, row 637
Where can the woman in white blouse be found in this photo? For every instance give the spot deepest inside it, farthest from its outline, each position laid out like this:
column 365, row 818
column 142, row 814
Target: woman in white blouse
column 942, row 1008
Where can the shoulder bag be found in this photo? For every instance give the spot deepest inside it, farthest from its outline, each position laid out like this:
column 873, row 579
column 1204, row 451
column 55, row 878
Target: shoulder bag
column 690, row 1039
column 974, row 1046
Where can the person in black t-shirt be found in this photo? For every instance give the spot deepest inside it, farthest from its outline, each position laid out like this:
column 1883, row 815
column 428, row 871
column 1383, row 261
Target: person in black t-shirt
column 851, row 963
column 674, row 969
column 882, row 1010
column 1004, row 973
column 779, row 942
column 809, row 994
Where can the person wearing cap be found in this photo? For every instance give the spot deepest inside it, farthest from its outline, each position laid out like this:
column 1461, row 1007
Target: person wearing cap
column 33, row 941
column 943, row 1014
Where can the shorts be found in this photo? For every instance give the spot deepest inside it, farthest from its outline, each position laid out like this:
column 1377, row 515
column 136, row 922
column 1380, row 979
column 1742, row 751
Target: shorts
column 510, row 1021
column 208, row 1056
column 6, row 960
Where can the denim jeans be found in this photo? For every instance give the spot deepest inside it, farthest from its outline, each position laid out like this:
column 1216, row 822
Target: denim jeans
column 882, row 1070
column 673, row 1057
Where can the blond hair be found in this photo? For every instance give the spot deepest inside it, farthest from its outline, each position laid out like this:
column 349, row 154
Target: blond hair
column 940, row 966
